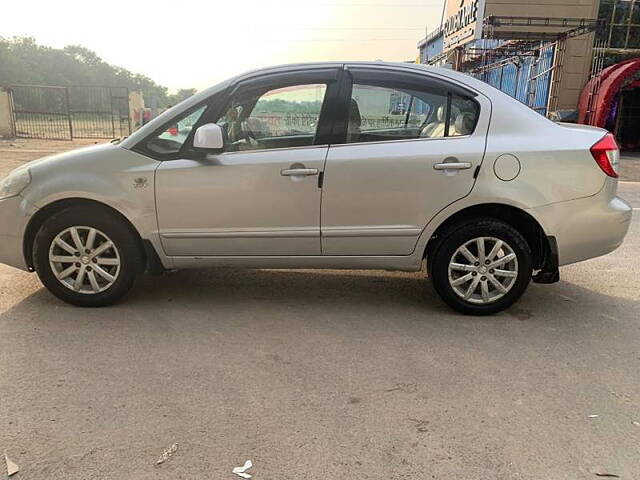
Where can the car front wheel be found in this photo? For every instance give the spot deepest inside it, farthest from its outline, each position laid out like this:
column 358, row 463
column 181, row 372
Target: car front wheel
column 481, row 266
column 87, row 256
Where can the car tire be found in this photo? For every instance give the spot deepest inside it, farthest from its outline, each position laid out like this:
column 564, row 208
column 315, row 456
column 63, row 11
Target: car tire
column 465, row 276
column 108, row 271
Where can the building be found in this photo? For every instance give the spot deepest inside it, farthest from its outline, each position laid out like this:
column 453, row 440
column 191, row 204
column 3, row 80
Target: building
column 556, row 56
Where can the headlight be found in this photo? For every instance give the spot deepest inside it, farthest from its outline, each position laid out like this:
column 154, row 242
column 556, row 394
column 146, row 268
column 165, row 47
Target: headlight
column 15, row 183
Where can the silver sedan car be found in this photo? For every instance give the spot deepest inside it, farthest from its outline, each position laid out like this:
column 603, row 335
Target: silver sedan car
column 333, row 165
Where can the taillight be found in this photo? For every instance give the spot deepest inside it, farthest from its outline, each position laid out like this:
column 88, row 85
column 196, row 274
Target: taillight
column 607, row 155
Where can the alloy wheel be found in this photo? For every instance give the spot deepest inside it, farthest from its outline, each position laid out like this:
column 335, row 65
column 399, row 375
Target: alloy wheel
column 483, row 270
column 84, row 259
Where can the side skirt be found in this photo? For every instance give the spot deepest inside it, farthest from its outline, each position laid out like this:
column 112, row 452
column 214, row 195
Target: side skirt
column 409, row 263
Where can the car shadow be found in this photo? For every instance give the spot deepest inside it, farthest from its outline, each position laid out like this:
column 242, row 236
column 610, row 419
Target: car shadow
column 398, row 295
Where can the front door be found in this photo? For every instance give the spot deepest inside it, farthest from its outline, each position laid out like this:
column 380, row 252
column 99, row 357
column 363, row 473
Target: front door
column 260, row 196
column 411, row 148
column 241, row 203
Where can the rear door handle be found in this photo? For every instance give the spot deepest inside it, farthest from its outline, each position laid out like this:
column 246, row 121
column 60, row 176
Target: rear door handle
column 298, row 172
column 452, row 166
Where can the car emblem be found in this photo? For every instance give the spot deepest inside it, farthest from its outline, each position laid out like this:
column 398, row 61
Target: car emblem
column 140, row 182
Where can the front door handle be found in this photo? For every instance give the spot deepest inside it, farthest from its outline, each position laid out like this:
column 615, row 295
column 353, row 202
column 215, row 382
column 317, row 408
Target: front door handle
column 452, row 166
column 298, row 172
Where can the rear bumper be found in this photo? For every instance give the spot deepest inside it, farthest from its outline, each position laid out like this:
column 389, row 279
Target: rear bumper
column 587, row 227
column 15, row 213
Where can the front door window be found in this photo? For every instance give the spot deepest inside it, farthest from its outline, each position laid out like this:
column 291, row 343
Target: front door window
column 170, row 141
column 280, row 118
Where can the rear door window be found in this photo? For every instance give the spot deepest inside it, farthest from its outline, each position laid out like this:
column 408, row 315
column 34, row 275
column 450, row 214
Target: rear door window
column 386, row 113
column 390, row 108
column 464, row 116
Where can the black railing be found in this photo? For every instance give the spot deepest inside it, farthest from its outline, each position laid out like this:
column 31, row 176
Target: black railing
column 63, row 113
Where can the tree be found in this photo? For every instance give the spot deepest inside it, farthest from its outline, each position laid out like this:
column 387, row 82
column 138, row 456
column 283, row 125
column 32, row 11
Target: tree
column 181, row 95
column 23, row 61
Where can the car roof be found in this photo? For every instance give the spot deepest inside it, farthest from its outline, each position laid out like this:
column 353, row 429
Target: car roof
column 419, row 68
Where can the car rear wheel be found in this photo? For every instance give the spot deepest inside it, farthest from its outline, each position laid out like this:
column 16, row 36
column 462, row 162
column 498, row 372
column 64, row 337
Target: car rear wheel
column 481, row 267
column 87, row 256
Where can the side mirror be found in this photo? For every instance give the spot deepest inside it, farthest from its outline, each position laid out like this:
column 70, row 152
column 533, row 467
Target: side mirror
column 209, row 137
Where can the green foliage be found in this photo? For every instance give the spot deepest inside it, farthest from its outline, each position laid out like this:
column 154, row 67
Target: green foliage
column 181, row 95
column 23, row 61
column 286, row 106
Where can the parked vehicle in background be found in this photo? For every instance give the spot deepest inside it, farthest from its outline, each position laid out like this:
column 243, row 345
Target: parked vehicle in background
column 309, row 166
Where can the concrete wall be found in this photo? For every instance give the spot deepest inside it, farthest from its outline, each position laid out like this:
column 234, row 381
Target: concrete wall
column 136, row 108
column 575, row 71
column 6, row 117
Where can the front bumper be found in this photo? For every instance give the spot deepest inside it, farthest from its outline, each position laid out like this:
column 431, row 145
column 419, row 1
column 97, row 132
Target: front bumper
column 15, row 213
column 587, row 227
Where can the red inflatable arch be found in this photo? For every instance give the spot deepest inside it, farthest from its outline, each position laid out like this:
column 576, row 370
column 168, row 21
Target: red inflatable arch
column 612, row 80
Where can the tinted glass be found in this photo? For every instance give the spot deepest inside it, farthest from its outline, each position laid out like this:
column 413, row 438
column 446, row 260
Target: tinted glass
column 383, row 113
column 172, row 139
column 464, row 116
column 280, row 118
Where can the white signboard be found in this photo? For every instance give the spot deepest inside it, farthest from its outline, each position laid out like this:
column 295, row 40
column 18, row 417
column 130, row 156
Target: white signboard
column 464, row 25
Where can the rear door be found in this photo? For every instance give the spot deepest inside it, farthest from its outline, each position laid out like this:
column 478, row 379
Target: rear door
column 410, row 147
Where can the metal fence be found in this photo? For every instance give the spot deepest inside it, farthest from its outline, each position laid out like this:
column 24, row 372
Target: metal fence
column 41, row 112
column 523, row 56
column 64, row 113
column 527, row 76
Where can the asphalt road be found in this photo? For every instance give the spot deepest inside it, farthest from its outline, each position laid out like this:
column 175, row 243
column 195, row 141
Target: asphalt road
column 325, row 375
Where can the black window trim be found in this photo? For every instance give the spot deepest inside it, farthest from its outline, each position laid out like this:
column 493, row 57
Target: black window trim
column 447, row 113
column 408, row 114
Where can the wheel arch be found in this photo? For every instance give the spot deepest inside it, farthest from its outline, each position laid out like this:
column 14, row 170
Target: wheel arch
column 38, row 219
column 519, row 219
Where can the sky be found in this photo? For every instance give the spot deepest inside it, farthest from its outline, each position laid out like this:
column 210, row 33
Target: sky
column 192, row 43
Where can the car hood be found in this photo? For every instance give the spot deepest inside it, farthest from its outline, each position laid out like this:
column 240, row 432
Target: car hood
column 61, row 158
